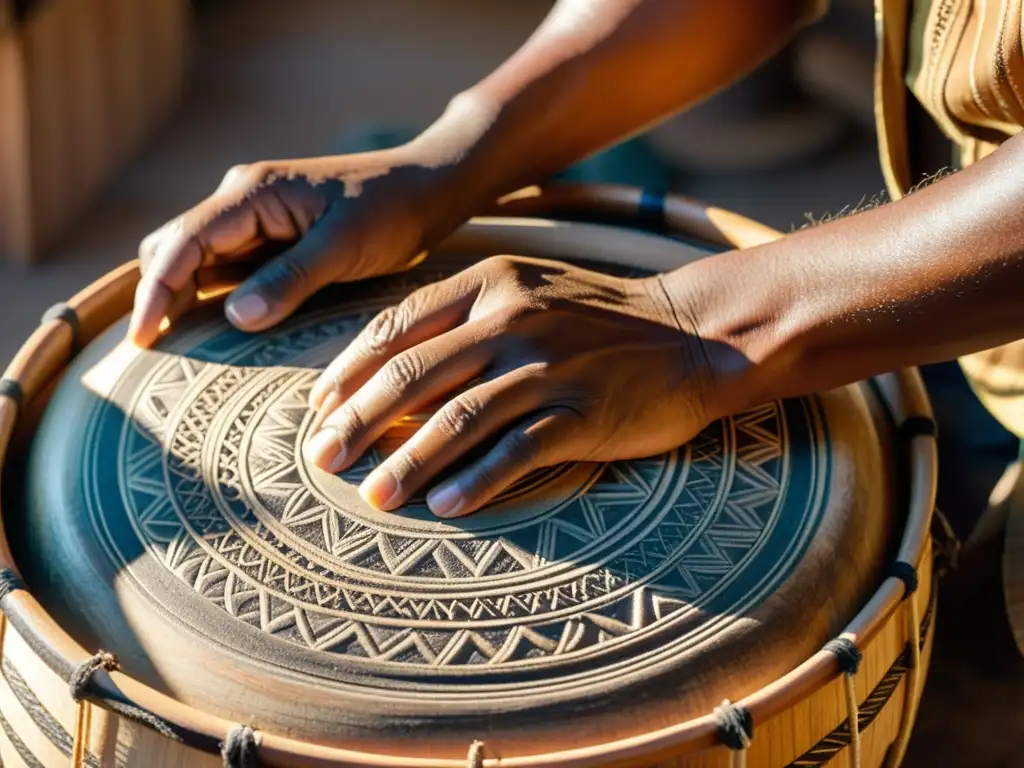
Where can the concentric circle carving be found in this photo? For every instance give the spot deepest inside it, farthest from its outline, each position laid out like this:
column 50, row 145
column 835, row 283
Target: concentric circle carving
column 569, row 567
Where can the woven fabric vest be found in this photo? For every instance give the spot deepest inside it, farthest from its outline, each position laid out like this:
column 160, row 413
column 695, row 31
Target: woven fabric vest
column 963, row 61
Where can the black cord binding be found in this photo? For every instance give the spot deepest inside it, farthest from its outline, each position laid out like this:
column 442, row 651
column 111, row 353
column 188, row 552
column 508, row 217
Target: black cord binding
column 846, row 653
column 12, row 390
column 81, row 677
column 240, row 748
column 9, row 581
column 65, row 314
column 735, row 725
column 650, row 211
column 906, row 573
column 913, row 426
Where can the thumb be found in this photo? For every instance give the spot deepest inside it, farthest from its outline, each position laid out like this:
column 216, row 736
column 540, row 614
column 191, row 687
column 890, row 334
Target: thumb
column 279, row 287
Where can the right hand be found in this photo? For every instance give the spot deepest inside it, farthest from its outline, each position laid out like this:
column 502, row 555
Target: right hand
column 292, row 227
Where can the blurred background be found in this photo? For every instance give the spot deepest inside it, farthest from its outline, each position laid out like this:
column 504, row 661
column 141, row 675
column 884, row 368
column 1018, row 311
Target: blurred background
column 116, row 115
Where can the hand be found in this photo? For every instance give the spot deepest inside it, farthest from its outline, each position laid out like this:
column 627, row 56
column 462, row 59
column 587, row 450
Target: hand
column 566, row 365
column 300, row 224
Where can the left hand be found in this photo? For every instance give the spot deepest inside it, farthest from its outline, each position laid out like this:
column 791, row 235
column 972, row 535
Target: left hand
column 567, row 365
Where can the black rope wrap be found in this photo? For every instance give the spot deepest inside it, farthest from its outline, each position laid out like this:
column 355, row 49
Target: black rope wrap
column 906, row 573
column 650, row 211
column 735, row 725
column 12, row 390
column 65, row 314
column 914, row 426
column 81, row 677
column 9, row 581
column 846, row 654
column 475, row 756
column 240, row 748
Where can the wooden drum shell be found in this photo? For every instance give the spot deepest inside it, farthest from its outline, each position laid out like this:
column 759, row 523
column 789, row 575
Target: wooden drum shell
column 803, row 712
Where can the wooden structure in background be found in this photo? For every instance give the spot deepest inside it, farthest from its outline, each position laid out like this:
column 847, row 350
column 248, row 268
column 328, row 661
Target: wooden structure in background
column 83, row 84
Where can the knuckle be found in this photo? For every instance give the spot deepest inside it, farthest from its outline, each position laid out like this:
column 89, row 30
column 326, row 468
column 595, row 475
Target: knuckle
column 247, row 172
column 500, row 264
column 347, row 421
column 539, row 372
column 236, row 171
column 484, row 480
column 457, row 418
column 244, row 179
column 292, row 270
column 521, row 445
column 407, row 462
column 281, row 278
column 384, row 329
column 401, row 371
column 150, row 245
column 413, row 305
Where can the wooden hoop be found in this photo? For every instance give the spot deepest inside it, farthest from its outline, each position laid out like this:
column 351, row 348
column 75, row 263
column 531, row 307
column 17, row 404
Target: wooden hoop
column 46, row 353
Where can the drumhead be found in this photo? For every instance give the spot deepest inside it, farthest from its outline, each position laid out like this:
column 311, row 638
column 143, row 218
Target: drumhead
column 172, row 520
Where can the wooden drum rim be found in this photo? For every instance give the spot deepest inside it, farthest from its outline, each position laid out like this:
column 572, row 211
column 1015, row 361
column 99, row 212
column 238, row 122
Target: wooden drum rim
column 512, row 225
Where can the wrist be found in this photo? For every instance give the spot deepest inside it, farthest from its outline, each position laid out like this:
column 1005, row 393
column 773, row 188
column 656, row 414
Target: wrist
column 745, row 325
column 451, row 150
column 487, row 144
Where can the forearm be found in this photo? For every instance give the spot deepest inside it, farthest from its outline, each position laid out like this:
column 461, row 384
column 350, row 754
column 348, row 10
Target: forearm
column 932, row 277
column 593, row 74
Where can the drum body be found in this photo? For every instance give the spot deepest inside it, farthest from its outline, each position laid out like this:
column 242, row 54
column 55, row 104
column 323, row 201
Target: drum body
column 593, row 615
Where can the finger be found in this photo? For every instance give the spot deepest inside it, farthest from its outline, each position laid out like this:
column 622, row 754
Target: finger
column 231, row 224
column 544, row 439
column 453, row 431
column 279, row 287
column 152, row 304
column 406, row 383
column 424, row 314
column 158, row 309
column 170, row 258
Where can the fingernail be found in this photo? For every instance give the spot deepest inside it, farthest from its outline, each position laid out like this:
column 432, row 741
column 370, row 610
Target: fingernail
column 246, row 309
column 379, row 489
column 445, row 500
column 326, row 450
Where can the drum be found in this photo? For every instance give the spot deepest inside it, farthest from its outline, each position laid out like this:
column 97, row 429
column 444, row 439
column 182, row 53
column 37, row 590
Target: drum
column 180, row 588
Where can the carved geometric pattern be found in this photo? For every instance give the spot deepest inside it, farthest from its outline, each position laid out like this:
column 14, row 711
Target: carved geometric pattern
column 568, row 566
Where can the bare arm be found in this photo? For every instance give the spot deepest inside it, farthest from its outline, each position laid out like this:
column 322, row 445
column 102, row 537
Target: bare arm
column 593, row 368
column 595, row 72
column 932, row 277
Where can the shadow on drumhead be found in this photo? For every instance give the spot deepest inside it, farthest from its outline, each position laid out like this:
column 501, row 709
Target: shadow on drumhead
column 168, row 516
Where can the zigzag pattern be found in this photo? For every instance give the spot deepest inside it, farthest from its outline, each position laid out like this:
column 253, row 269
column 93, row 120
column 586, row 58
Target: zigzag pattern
column 262, row 582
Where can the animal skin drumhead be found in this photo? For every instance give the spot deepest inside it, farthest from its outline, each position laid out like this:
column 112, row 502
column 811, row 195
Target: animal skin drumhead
column 173, row 521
